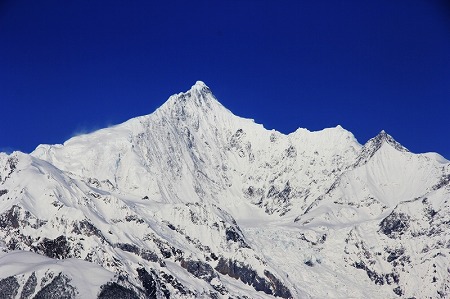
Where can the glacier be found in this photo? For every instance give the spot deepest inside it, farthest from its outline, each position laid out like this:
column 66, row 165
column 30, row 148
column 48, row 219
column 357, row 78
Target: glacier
column 192, row 201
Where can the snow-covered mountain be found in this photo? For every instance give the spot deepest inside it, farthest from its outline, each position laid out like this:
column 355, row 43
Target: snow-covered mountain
column 192, row 201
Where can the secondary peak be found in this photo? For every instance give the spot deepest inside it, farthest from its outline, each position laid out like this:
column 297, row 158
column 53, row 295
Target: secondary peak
column 373, row 145
column 384, row 137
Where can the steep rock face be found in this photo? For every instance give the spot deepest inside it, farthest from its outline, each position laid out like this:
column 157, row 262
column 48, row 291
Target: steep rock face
column 192, row 201
column 192, row 148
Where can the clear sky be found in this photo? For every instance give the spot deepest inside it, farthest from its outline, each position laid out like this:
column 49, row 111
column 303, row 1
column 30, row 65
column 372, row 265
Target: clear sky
column 68, row 67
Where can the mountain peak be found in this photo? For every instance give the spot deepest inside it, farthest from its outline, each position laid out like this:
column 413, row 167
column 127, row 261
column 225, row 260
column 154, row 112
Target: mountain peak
column 199, row 84
column 384, row 137
column 200, row 87
column 198, row 92
column 373, row 145
column 198, row 106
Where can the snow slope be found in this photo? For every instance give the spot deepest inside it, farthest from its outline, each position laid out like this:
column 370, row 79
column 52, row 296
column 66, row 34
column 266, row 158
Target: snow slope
column 192, row 201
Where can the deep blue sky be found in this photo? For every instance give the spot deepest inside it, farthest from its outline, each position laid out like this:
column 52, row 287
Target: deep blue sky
column 74, row 66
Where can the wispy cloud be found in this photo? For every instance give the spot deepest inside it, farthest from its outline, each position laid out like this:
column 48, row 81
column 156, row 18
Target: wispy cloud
column 8, row 150
column 87, row 129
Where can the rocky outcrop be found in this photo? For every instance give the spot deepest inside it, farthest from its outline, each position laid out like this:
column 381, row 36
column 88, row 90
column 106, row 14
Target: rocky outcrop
column 269, row 284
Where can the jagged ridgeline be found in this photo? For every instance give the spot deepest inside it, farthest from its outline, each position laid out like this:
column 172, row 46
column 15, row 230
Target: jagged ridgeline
column 192, row 201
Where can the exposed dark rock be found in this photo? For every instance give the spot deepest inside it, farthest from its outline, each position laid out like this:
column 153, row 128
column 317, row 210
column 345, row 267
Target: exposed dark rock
column 250, row 191
column 30, row 287
column 128, row 247
column 114, row 290
column 166, row 250
column 280, row 290
column 10, row 218
column 94, row 182
column 277, row 200
column 213, row 295
column 149, row 255
column 59, row 288
column 309, row 263
column 174, row 283
column 398, row 291
column 86, row 228
column 392, row 278
column 235, row 139
column 394, row 253
column 444, row 181
column 144, row 253
column 134, row 218
column 194, row 217
column 291, row 152
column 9, row 287
column 12, row 165
column 272, row 192
column 232, row 235
column 238, row 270
column 375, row 277
column 284, row 194
column 58, row 248
column 149, row 283
column 394, row 225
column 253, row 192
column 199, row 269
column 165, row 253
column 430, row 212
column 3, row 192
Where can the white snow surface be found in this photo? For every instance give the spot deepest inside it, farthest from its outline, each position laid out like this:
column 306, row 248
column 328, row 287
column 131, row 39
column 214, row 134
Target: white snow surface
column 314, row 212
column 86, row 277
